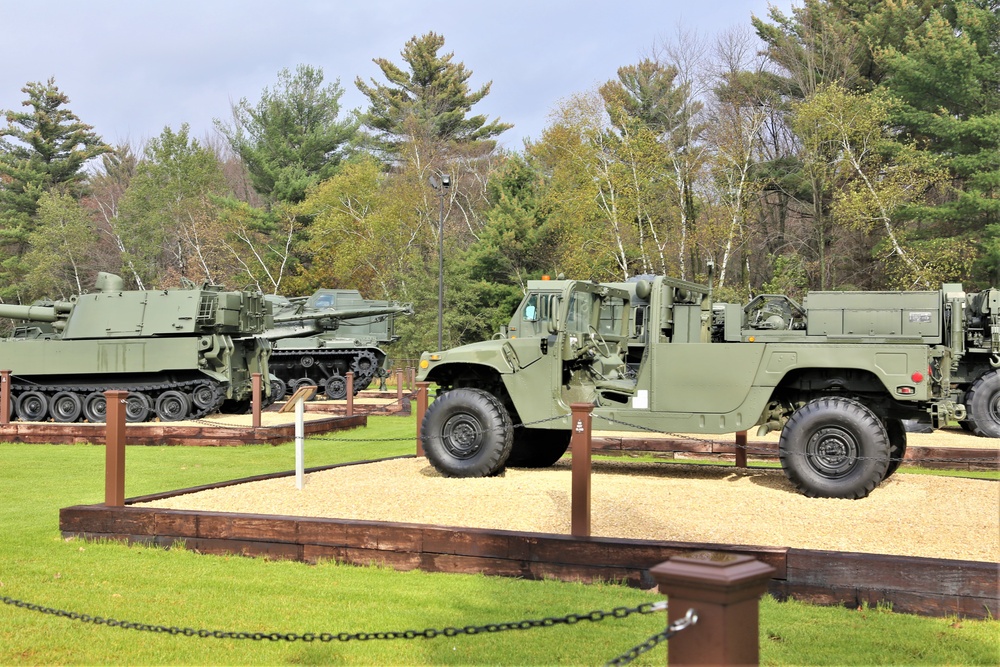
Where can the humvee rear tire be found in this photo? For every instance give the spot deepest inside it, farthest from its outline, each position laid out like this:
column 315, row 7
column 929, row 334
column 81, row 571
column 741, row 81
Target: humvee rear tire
column 834, row 448
column 896, row 431
column 467, row 433
column 983, row 404
column 537, row 447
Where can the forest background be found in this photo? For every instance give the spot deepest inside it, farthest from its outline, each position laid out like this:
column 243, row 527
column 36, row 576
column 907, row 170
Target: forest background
column 846, row 145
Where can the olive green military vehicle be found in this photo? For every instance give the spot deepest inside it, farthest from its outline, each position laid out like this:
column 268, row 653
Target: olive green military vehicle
column 316, row 340
column 180, row 353
column 836, row 375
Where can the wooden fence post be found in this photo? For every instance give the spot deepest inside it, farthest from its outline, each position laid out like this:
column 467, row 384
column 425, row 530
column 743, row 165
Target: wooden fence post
column 350, row 393
column 580, row 442
column 741, row 449
column 724, row 590
column 4, row 398
column 422, row 389
column 399, row 386
column 255, row 384
column 114, row 448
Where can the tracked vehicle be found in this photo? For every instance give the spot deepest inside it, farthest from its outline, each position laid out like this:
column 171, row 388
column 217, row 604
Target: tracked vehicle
column 180, row 353
column 836, row 375
column 317, row 339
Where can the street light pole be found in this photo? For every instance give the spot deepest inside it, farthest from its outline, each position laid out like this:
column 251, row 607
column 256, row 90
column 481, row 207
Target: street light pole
column 445, row 183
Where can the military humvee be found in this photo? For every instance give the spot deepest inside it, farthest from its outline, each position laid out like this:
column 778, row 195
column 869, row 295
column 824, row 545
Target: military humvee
column 836, row 375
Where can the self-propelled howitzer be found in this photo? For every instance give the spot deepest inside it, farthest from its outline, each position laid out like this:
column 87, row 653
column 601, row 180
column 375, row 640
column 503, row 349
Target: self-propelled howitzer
column 318, row 339
column 180, row 353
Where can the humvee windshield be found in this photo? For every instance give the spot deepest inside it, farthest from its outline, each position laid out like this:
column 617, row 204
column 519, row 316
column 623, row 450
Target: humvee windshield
column 589, row 312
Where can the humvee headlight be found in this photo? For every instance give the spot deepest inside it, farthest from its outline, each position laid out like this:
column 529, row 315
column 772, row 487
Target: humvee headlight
column 435, row 357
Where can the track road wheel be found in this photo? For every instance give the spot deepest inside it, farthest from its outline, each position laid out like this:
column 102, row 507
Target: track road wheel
column 95, row 407
column 538, row 447
column 467, row 433
column 896, row 431
column 834, row 448
column 65, row 407
column 32, row 406
column 138, row 407
column 172, row 405
column 335, row 387
column 983, row 404
column 278, row 388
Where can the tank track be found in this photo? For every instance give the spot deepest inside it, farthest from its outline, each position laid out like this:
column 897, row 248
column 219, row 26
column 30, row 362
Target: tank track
column 325, row 368
column 208, row 398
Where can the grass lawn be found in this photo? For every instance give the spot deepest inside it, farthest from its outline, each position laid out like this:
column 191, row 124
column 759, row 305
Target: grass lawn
column 176, row 587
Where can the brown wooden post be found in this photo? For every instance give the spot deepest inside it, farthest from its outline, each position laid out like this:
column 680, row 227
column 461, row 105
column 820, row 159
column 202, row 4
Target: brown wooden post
column 580, row 445
column 350, row 393
column 724, row 590
column 741, row 449
column 422, row 389
column 411, row 380
column 114, row 448
column 4, row 397
column 255, row 384
column 399, row 386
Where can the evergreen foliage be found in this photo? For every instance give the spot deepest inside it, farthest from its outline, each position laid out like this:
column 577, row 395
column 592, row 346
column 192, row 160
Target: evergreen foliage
column 42, row 149
column 428, row 100
column 292, row 138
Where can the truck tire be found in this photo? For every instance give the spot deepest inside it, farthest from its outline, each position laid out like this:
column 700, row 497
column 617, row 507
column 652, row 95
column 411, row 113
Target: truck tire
column 983, row 403
column 834, row 448
column 896, row 431
column 467, row 433
column 537, row 447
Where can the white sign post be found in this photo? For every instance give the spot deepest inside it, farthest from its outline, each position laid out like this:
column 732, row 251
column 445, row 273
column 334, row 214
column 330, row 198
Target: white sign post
column 298, row 400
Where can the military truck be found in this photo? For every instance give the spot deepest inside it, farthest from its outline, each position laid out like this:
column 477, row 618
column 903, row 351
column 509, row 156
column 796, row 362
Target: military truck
column 317, row 339
column 180, row 353
column 836, row 375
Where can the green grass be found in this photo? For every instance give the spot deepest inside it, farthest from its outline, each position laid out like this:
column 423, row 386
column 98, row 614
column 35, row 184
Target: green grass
column 176, row 587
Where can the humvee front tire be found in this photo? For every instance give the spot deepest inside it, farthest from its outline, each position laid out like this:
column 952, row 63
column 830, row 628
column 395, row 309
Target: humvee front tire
column 538, row 447
column 467, row 433
column 983, row 404
column 834, row 448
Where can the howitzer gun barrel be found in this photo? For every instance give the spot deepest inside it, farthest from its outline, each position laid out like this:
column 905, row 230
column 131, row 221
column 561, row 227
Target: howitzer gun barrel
column 52, row 313
column 338, row 314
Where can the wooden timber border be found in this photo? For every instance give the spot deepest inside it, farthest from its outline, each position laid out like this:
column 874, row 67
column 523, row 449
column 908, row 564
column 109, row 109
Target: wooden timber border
column 925, row 586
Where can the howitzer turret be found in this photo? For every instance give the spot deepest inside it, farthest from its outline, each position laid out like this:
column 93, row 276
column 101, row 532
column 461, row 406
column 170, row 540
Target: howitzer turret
column 180, row 353
column 318, row 339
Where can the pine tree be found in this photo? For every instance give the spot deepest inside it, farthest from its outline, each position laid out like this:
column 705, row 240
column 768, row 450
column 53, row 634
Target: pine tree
column 292, row 139
column 430, row 101
column 40, row 150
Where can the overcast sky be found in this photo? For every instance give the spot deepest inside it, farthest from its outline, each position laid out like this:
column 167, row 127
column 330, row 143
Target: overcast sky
column 132, row 67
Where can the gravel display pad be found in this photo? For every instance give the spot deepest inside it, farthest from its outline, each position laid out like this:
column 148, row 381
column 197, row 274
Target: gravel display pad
column 910, row 515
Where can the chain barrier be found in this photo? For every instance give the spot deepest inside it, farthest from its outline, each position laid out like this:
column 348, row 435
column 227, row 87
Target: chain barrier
column 632, row 427
column 429, row 633
column 689, row 619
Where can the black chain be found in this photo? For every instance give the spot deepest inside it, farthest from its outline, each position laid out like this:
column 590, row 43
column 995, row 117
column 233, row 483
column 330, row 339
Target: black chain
column 750, row 449
column 689, row 619
column 429, row 633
